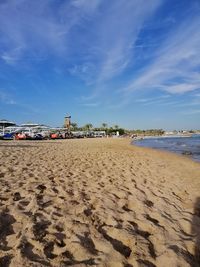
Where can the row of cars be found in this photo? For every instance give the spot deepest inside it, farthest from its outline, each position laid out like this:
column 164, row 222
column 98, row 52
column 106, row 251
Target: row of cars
column 42, row 135
column 33, row 136
column 21, row 136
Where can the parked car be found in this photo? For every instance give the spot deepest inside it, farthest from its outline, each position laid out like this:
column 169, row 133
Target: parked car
column 8, row 136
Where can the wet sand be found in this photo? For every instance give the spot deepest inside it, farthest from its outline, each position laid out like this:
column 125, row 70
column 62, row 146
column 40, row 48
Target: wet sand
column 97, row 202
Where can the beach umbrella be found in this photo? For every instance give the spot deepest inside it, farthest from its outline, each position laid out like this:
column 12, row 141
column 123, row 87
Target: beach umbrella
column 6, row 123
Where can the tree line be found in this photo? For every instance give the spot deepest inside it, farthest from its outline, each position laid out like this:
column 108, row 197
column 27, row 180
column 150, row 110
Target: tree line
column 113, row 129
column 148, row 132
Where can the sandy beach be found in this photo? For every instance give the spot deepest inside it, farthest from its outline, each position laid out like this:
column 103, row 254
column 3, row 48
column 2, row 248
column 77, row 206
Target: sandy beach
column 97, row 202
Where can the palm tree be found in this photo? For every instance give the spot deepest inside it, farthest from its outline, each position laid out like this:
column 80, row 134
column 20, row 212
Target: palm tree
column 88, row 126
column 74, row 126
column 104, row 125
column 116, row 127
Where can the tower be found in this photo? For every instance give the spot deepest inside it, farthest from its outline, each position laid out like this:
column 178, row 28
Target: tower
column 67, row 122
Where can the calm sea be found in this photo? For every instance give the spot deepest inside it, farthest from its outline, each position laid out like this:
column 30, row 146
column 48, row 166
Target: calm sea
column 180, row 145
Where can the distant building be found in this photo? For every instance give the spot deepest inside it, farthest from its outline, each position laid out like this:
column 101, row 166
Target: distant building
column 169, row 133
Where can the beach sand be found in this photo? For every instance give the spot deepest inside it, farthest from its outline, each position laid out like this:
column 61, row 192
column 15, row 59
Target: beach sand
column 97, row 202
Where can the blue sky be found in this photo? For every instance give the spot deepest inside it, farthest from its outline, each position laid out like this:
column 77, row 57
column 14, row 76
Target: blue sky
column 133, row 63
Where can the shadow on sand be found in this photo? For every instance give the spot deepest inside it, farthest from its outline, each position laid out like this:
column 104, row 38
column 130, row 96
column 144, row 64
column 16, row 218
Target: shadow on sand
column 195, row 229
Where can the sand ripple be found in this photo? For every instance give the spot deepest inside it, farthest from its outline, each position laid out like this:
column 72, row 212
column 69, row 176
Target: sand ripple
column 97, row 202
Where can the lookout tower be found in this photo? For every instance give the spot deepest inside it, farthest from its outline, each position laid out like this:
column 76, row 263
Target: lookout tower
column 67, row 122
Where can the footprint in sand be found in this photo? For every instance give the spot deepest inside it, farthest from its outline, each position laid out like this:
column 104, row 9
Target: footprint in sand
column 6, row 260
column 6, row 228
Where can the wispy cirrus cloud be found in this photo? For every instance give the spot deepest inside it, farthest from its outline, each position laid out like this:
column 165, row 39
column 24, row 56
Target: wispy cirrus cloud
column 12, row 56
column 110, row 41
column 150, row 99
column 86, row 72
column 87, row 5
column 191, row 112
column 95, row 104
column 37, row 29
column 136, row 54
column 182, row 87
column 102, row 43
column 118, row 30
column 175, row 68
column 6, row 98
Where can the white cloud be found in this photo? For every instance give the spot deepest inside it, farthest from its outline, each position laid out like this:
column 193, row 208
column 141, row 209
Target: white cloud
column 181, row 88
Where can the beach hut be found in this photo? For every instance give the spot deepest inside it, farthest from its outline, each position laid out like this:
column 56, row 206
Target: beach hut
column 6, row 123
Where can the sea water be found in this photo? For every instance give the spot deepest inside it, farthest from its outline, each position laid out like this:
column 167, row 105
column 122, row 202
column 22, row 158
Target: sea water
column 182, row 145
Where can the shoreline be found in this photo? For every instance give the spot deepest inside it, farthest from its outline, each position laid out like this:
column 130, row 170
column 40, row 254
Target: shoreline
column 97, row 202
column 185, row 153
